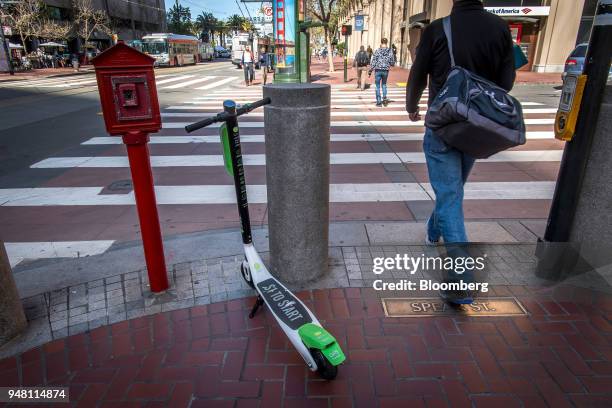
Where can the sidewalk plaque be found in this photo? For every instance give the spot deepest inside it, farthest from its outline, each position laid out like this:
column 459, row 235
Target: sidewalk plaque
column 429, row 307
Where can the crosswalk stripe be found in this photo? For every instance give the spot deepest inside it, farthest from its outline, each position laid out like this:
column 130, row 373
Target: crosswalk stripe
column 260, row 159
column 55, row 82
column 218, row 83
column 20, row 251
column 173, row 79
column 187, row 83
column 333, row 113
column 110, row 140
column 71, row 84
column 225, row 194
column 359, row 123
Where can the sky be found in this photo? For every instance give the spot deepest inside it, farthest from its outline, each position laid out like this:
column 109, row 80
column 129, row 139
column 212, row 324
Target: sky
column 221, row 9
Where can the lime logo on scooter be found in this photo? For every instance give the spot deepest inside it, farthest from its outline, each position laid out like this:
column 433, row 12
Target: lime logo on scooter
column 316, row 337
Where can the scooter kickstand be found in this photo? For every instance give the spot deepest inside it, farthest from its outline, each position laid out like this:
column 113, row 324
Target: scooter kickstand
column 258, row 303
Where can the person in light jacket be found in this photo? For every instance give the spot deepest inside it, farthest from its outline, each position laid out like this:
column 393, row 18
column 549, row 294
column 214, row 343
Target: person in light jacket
column 248, row 63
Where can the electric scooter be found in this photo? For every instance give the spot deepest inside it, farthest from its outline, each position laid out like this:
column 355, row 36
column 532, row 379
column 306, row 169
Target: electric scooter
column 317, row 346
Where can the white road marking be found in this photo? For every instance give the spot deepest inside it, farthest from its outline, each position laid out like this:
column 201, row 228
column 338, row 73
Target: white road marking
column 357, row 123
column 218, row 83
column 20, row 251
column 113, row 140
column 260, row 160
column 225, row 194
column 173, row 79
column 333, row 113
column 70, row 84
column 187, row 83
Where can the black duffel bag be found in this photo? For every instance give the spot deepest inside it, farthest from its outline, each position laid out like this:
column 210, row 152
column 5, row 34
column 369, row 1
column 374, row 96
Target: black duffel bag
column 474, row 115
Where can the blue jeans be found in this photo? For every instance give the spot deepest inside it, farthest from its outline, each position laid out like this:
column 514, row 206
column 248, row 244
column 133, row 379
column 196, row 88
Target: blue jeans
column 249, row 72
column 448, row 171
column 380, row 78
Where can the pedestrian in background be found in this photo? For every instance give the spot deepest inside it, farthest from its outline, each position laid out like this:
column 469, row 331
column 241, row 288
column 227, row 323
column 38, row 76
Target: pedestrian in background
column 485, row 48
column 362, row 60
column 370, row 52
column 248, row 64
column 381, row 63
column 266, row 65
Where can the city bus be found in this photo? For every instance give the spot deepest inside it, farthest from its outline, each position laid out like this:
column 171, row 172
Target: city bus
column 172, row 49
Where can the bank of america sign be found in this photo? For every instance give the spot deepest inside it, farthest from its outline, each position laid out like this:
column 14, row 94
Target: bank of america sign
column 519, row 11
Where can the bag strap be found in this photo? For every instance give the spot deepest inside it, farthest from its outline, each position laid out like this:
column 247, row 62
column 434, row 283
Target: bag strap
column 446, row 22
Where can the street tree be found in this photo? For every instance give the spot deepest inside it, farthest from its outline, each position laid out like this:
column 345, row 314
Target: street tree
column 88, row 20
column 54, row 30
column 24, row 17
column 237, row 23
column 326, row 11
column 179, row 19
column 206, row 24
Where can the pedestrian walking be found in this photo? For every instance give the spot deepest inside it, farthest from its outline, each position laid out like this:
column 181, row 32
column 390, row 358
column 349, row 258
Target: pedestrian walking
column 370, row 52
column 248, row 64
column 394, row 49
column 266, row 64
column 483, row 45
column 74, row 58
column 381, row 63
column 361, row 62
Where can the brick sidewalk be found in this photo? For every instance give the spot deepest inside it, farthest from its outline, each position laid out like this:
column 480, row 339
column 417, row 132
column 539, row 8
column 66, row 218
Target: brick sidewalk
column 399, row 76
column 214, row 356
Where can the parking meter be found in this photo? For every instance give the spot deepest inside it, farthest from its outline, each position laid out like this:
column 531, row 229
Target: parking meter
column 569, row 106
column 126, row 82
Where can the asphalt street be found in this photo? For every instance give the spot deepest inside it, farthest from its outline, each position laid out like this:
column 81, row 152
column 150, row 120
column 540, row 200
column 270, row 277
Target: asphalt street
column 65, row 185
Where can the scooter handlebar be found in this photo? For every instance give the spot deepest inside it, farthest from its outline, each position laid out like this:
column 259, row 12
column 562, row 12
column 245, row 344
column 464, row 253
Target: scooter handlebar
column 203, row 123
column 223, row 116
column 252, row 106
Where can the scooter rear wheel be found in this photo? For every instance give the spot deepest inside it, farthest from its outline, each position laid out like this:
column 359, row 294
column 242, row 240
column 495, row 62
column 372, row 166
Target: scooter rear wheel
column 325, row 369
column 245, row 271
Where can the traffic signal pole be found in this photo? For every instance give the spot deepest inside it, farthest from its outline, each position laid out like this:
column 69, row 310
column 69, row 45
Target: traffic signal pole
column 346, row 58
column 347, row 30
column 577, row 151
column 9, row 61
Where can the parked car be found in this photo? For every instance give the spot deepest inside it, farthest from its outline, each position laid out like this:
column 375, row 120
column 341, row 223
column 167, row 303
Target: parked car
column 575, row 62
column 221, row 52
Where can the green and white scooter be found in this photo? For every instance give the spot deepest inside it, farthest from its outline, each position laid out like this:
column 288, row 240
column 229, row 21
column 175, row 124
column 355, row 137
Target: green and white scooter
column 317, row 346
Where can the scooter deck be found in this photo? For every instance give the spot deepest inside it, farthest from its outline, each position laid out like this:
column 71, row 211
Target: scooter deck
column 283, row 304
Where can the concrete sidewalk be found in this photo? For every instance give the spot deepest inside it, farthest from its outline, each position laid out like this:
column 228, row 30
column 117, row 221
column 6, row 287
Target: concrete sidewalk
column 45, row 73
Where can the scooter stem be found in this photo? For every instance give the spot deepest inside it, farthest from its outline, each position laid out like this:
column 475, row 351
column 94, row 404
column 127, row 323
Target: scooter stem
column 231, row 122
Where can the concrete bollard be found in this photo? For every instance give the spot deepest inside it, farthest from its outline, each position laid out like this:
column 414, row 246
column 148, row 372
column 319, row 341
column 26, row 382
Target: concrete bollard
column 297, row 172
column 12, row 316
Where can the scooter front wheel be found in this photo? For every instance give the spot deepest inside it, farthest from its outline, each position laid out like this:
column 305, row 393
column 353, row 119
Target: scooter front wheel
column 325, row 369
column 245, row 271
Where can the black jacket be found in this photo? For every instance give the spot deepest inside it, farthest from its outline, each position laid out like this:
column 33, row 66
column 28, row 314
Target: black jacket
column 481, row 43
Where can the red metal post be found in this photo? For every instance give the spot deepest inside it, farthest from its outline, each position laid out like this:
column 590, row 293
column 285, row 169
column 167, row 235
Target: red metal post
column 140, row 165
